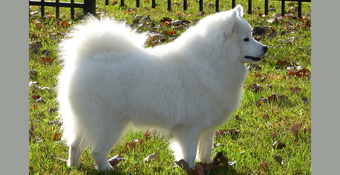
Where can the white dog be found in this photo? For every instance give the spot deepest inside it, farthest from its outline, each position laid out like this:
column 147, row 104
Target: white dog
column 188, row 87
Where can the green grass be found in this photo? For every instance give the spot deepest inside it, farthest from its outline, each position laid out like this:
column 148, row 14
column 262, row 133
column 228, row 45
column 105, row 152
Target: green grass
column 249, row 148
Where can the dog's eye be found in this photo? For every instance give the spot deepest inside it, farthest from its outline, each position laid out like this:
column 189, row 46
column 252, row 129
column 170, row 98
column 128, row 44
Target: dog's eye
column 246, row 39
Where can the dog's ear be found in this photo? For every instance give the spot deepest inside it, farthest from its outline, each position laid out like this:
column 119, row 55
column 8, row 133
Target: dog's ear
column 230, row 23
column 239, row 9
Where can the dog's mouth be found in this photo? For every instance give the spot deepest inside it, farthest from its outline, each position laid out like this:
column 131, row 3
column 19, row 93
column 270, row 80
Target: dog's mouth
column 253, row 58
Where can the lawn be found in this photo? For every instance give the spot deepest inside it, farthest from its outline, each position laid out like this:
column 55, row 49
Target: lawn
column 270, row 133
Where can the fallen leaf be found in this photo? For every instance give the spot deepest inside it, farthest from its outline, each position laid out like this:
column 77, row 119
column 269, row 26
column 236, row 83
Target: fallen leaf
column 232, row 163
column 56, row 136
column 114, row 161
column 233, row 131
column 33, row 73
column 272, row 20
column 170, row 32
column 274, row 136
column 307, row 130
column 283, row 98
column 34, row 46
column 290, row 16
column 199, row 169
column 262, row 79
column 146, row 19
column 254, row 87
column 57, row 122
column 50, row 110
column 278, row 159
column 295, row 90
column 147, row 134
column 259, row 31
column 261, row 101
column 264, row 166
column 43, row 88
column 279, row 145
column 166, row 19
column 305, row 100
column 135, row 21
column 257, row 74
column 237, row 117
column 277, row 77
column 261, row 14
column 36, row 97
column 253, row 66
column 265, row 116
column 272, row 35
column 282, row 62
column 183, row 164
column 35, row 106
column 209, row 4
column 46, row 60
column 295, row 129
column 219, row 158
column 272, row 98
column 150, row 157
column 64, row 23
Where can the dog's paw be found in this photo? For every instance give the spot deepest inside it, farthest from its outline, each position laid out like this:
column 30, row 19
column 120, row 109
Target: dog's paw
column 71, row 164
column 104, row 167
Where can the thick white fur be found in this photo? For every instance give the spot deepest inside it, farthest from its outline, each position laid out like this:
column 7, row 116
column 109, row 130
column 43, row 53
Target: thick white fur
column 188, row 87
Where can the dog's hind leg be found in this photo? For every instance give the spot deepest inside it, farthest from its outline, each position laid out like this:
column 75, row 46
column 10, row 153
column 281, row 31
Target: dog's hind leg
column 187, row 138
column 205, row 143
column 105, row 138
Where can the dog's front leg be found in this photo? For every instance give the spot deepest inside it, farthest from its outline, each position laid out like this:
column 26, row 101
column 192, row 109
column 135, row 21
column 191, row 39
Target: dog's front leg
column 187, row 138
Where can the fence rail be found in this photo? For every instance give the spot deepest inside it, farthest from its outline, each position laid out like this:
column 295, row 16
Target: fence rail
column 89, row 6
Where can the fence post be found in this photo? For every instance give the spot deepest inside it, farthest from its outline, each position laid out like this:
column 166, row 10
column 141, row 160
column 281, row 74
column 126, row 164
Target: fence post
column 153, row 5
column 299, row 8
column 283, row 8
column 42, row 8
column 169, row 4
column 89, row 6
column 266, row 7
column 57, row 8
column 249, row 6
column 201, row 5
column 185, row 5
column 217, row 5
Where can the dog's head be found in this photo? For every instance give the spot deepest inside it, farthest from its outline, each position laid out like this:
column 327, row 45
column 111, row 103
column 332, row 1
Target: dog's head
column 238, row 32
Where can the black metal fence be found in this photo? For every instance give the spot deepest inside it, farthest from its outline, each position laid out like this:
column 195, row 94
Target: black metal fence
column 89, row 6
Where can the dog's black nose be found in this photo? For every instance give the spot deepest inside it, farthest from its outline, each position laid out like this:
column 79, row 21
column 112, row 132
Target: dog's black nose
column 265, row 48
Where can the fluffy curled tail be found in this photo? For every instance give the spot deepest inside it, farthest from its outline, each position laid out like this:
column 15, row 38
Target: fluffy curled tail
column 96, row 35
column 88, row 41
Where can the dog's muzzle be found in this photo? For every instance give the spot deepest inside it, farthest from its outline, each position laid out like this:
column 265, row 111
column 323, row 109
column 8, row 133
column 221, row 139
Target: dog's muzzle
column 265, row 48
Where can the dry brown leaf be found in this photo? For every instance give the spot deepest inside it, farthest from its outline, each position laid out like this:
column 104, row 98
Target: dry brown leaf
column 265, row 116
column 295, row 129
column 264, row 166
column 114, row 161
